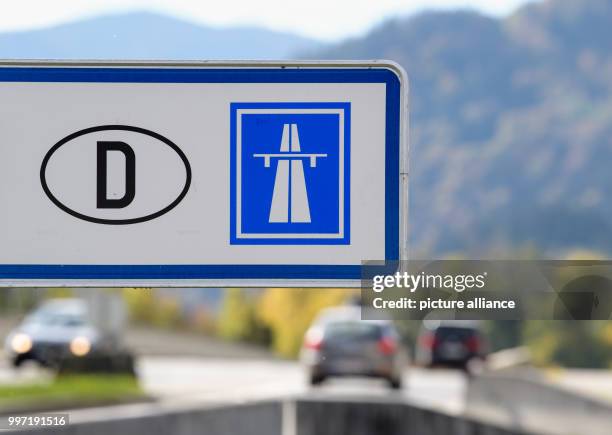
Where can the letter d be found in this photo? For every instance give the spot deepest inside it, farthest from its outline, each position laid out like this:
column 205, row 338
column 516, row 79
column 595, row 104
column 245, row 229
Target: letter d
column 130, row 175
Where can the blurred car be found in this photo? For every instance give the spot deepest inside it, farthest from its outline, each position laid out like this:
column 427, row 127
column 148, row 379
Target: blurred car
column 339, row 343
column 451, row 343
column 58, row 328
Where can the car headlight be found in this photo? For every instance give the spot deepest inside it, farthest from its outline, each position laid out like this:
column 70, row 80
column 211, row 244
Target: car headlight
column 80, row 346
column 21, row 343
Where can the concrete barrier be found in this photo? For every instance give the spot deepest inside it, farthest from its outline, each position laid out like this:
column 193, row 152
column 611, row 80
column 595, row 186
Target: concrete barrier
column 303, row 416
column 509, row 359
column 340, row 417
column 530, row 403
column 250, row 419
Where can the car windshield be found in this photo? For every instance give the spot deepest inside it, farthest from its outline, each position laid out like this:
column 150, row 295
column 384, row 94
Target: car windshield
column 454, row 333
column 56, row 318
column 352, row 330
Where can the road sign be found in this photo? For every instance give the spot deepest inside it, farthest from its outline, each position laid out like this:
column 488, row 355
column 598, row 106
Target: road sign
column 204, row 174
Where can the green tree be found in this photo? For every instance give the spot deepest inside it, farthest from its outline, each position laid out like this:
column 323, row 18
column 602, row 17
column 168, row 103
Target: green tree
column 238, row 320
column 570, row 343
column 289, row 312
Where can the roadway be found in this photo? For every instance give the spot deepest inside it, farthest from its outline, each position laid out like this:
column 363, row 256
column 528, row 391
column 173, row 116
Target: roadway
column 208, row 369
column 235, row 380
column 179, row 367
column 190, row 367
column 199, row 379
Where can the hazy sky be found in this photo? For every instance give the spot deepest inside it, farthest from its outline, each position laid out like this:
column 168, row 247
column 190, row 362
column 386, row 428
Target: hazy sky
column 323, row 19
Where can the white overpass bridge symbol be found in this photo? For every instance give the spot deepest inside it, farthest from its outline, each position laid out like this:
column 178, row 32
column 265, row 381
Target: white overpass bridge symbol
column 290, row 198
column 311, row 156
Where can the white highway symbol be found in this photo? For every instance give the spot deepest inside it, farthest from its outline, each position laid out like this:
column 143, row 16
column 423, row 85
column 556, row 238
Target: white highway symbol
column 292, row 208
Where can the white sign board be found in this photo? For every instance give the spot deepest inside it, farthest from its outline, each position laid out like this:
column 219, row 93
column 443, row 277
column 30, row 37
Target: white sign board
column 159, row 174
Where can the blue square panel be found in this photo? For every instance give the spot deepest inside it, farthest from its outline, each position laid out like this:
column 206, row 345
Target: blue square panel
column 290, row 173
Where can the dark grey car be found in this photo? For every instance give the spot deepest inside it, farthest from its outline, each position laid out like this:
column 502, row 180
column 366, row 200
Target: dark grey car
column 56, row 329
column 450, row 343
column 339, row 343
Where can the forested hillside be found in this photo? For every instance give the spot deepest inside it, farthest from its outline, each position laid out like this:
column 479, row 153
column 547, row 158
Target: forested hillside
column 511, row 125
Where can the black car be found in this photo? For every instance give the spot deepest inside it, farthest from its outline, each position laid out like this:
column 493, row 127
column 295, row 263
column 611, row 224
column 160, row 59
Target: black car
column 451, row 343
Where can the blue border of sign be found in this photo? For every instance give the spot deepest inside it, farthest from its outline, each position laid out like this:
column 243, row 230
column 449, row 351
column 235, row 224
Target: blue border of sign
column 148, row 74
column 346, row 107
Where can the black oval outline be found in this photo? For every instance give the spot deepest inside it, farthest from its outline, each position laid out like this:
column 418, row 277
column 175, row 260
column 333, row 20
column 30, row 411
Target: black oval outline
column 43, row 169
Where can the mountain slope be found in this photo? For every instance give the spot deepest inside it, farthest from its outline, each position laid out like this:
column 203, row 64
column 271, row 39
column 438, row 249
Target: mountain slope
column 148, row 36
column 511, row 138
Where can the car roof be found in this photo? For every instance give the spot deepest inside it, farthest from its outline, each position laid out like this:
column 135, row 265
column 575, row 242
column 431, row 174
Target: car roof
column 69, row 306
column 349, row 313
column 432, row 325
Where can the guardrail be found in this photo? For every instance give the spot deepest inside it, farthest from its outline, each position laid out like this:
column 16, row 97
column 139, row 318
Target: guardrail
column 528, row 402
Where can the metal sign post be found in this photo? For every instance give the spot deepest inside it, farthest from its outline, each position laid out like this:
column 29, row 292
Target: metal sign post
column 200, row 173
